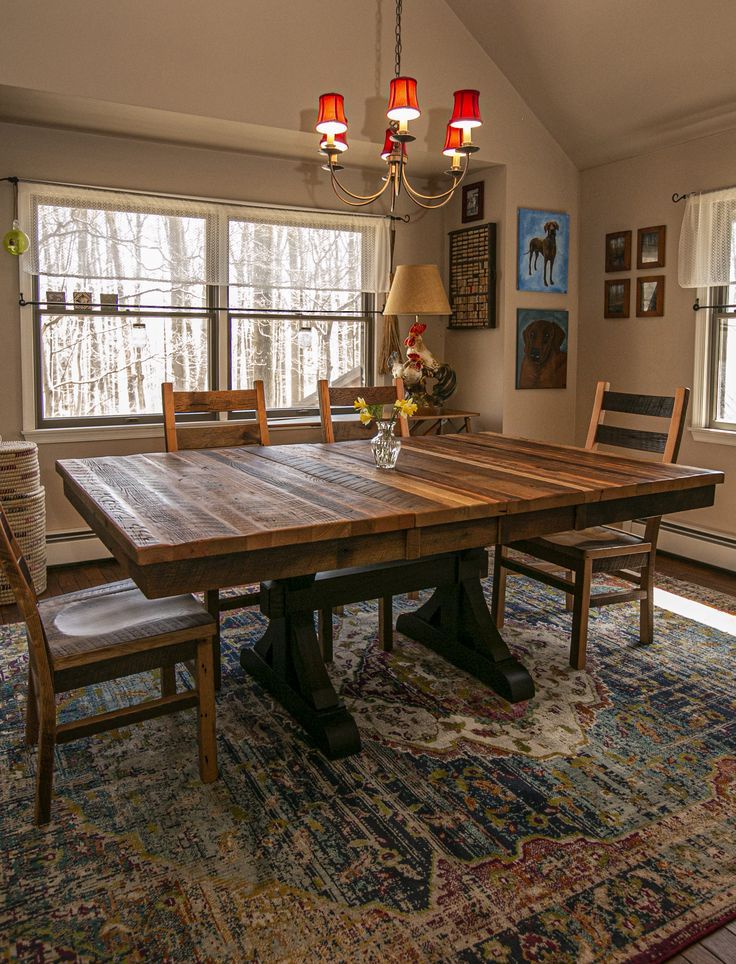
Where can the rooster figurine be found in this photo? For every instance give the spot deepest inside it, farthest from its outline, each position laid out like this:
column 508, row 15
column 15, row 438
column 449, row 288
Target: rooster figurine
column 421, row 364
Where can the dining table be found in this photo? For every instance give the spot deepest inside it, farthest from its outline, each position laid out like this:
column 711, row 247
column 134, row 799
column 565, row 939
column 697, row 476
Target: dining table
column 319, row 525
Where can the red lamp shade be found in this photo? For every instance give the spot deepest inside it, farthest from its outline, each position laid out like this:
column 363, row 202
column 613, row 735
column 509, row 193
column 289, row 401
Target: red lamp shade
column 340, row 143
column 331, row 119
column 389, row 145
column 402, row 99
column 466, row 112
column 453, row 141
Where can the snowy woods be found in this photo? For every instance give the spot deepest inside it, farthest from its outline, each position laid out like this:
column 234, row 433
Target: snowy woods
column 101, row 361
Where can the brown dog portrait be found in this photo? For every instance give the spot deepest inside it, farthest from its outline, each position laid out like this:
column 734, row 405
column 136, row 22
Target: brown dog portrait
column 544, row 364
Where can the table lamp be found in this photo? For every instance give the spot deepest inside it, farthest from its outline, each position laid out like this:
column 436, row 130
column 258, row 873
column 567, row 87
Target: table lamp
column 417, row 289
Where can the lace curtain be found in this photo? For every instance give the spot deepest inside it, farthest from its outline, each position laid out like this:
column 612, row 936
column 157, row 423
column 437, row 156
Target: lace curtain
column 707, row 254
column 88, row 234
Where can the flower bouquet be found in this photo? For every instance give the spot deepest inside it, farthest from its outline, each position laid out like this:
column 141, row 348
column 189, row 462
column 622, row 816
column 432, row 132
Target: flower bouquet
column 385, row 444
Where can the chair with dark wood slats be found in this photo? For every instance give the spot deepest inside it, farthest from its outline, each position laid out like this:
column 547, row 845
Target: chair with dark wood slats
column 348, row 429
column 96, row 635
column 180, row 436
column 602, row 549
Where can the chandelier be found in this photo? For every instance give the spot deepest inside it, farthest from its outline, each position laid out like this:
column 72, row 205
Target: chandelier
column 403, row 107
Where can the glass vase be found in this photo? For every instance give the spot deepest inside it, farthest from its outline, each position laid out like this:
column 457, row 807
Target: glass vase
column 385, row 446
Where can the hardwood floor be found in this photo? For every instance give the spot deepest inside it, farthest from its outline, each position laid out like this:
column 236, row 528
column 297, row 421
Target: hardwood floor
column 718, row 948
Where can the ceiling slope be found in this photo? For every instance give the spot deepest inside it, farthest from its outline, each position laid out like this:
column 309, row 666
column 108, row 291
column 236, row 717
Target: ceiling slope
column 614, row 80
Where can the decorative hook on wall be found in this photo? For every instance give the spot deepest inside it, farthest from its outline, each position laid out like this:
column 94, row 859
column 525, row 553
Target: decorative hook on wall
column 679, row 197
column 15, row 241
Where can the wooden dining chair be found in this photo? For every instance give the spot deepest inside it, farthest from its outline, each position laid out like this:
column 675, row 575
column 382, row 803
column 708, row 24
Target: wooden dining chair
column 100, row 634
column 348, row 429
column 581, row 554
column 180, row 436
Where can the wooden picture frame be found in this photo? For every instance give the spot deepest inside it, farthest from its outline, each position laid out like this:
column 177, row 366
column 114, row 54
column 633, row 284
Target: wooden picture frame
column 472, row 207
column 617, row 298
column 650, row 247
column 618, row 251
column 473, row 277
column 650, row 296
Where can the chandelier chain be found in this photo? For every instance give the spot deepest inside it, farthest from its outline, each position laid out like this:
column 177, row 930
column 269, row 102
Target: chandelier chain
column 397, row 55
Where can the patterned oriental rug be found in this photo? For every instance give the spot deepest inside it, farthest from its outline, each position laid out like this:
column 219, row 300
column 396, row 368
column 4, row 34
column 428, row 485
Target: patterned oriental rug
column 595, row 823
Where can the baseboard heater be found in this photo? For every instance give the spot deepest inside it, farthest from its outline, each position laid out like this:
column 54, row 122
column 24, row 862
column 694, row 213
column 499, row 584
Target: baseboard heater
column 701, row 545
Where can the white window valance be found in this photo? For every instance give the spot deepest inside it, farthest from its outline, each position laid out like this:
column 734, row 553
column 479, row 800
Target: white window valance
column 707, row 253
column 96, row 235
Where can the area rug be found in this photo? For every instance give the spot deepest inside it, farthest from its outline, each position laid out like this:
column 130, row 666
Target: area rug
column 597, row 822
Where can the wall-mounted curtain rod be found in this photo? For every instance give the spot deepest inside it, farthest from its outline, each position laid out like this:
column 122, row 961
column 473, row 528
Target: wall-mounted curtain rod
column 206, row 200
column 63, row 308
column 711, row 190
column 698, row 307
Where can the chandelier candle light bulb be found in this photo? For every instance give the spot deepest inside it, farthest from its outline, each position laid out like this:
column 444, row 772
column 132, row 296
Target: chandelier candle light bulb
column 403, row 107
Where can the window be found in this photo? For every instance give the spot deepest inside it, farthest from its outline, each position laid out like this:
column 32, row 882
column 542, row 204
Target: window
column 722, row 382
column 135, row 290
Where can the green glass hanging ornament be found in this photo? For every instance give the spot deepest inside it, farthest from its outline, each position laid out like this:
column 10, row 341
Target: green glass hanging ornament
column 16, row 241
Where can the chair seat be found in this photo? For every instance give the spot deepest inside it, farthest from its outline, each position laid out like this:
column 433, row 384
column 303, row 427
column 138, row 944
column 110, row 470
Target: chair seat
column 571, row 547
column 595, row 537
column 86, row 625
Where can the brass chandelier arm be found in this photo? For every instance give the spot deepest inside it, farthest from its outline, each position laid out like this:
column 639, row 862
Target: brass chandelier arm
column 360, row 199
column 416, row 195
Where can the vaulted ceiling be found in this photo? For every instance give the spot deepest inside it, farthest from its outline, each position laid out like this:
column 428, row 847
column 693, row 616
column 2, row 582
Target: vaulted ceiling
column 613, row 79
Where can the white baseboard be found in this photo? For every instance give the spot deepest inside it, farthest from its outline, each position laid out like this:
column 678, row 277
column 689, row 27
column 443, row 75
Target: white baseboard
column 80, row 545
column 700, row 545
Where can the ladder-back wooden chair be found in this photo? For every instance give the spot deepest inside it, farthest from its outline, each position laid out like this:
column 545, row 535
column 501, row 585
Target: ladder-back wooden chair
column 96, row 635
column 602, row 549
column 180, row 436
column 342, row 430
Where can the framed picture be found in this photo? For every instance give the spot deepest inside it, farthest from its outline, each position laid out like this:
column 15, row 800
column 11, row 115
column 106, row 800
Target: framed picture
column 473, row 202
column 108, row 301
column 650, row 244
column 55, row 297
column 617, row 298
column 82, row 299
column 618, row 251
column 543, row 253
column 541, row 348
column 650, row 296
column 473, row 277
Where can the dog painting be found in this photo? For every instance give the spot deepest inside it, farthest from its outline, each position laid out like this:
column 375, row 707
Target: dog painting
column 541, row 348
column 544, row 246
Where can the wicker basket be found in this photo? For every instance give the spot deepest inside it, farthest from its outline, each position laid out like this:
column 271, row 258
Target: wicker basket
column 19, row 473
column 24, row 503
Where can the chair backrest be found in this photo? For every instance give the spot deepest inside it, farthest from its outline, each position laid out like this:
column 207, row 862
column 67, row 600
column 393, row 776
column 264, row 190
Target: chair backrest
column 352, row 428
column 664, row 443
column 19, row 577
column 222, row 435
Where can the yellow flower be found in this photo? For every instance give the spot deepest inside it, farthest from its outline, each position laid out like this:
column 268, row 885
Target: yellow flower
column 358, row 404
column 405, row 406
column 365, row 416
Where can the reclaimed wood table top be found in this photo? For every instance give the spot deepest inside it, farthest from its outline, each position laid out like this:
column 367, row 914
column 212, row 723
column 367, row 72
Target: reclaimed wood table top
column 162, row 507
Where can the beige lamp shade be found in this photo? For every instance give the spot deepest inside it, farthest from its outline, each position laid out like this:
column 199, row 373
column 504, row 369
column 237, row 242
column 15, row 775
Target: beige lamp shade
column 417, row 289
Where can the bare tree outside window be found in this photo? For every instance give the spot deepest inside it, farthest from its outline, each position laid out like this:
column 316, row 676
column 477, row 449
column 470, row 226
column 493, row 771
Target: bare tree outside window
column 128, row 300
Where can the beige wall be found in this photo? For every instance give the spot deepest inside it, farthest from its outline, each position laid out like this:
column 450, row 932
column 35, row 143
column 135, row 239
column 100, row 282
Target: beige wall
column 120, row 162
column 650, row 354
column 265, row 71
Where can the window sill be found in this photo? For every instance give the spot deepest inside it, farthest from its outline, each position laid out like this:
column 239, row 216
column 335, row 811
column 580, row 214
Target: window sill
column 119, row 433
column 717, row 436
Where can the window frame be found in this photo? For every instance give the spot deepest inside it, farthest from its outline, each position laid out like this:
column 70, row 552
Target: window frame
column 717, row 296
column 36, row 427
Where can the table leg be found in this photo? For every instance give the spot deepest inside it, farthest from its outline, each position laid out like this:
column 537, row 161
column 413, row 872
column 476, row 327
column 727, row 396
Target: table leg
column 287, row 661
column 456, row 624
